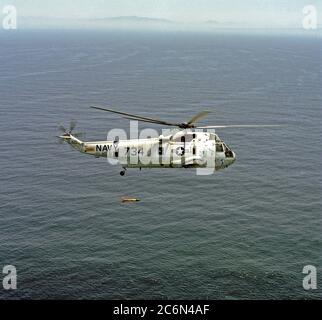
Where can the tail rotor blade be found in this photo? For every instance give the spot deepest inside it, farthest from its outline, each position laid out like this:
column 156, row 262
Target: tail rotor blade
column 66, row 133
column 72, row 126
column 61, row 128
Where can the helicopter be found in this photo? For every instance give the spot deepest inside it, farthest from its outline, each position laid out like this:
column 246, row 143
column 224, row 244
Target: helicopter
column 184, row 148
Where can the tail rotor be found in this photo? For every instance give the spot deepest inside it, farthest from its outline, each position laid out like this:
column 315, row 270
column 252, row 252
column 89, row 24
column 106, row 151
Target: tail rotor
column 66, row 133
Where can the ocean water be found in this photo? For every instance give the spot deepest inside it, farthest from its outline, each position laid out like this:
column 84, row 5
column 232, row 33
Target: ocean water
column 244, row 233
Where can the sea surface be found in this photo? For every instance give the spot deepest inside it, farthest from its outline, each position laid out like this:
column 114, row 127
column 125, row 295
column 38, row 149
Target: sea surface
column 243, row 233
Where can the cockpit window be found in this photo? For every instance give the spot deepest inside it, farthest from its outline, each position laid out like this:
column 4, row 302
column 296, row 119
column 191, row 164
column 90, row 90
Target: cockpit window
column 219, row 147
column 228, row 152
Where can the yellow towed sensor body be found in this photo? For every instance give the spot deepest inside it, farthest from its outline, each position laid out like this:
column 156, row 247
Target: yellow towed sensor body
column 126, row 199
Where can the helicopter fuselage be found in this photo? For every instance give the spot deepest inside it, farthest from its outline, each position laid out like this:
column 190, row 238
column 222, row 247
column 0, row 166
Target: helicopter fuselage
column 184, row 149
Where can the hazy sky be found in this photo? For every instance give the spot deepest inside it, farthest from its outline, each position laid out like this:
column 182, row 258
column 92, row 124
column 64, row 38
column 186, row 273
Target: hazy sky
column 252, row 12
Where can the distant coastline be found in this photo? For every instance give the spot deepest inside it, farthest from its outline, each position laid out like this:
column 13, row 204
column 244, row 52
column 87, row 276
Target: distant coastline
column 146, row 23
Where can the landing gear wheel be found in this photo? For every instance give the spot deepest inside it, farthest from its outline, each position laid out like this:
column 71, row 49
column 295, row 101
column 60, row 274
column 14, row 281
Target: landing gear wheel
column 122, row 173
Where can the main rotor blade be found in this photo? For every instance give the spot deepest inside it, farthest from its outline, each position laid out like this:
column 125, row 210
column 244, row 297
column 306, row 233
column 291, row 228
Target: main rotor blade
column 239, row 126
column 198, row 116
column 154, row 121
column 133, row 115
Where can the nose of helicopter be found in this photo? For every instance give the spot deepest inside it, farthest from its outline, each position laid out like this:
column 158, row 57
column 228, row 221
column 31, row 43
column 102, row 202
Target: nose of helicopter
column 230, row 160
